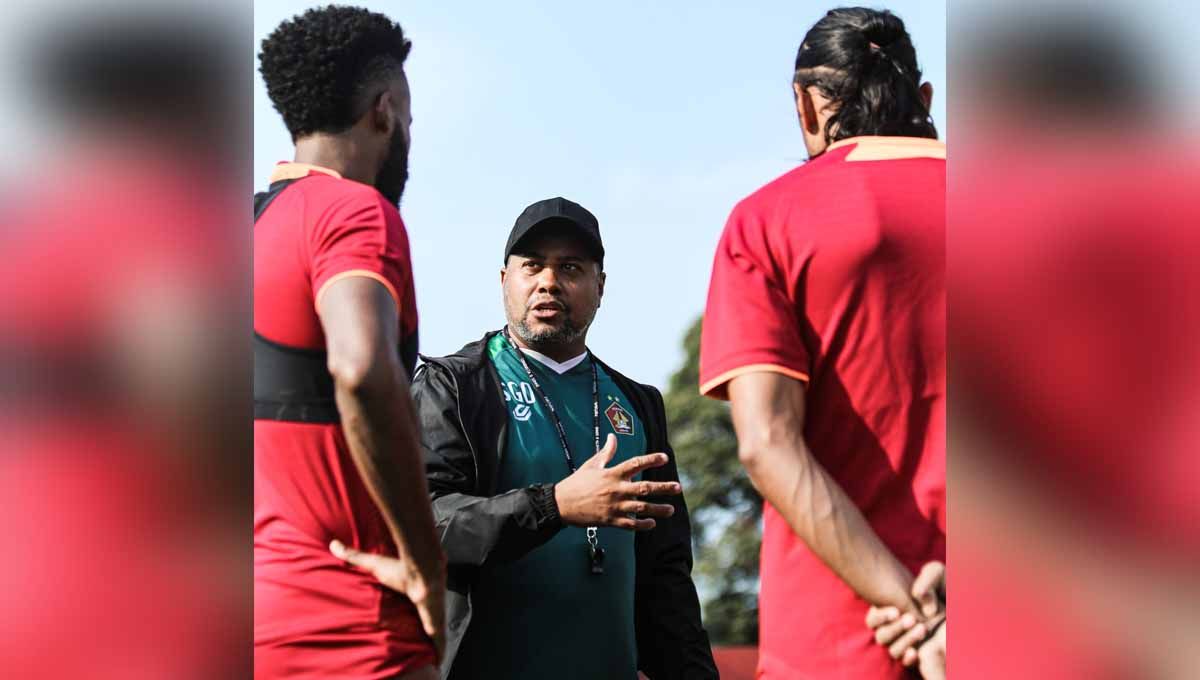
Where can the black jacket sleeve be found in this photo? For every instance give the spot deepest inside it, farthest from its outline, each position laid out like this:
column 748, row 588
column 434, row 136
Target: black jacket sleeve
column 474, row 529
column 672, row 643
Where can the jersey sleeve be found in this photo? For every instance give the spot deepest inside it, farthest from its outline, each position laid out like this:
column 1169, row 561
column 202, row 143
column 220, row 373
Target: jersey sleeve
column 751, row 321
column 361, row 235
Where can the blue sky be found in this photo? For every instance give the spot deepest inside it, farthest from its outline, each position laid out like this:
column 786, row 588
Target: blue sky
column 658, row 117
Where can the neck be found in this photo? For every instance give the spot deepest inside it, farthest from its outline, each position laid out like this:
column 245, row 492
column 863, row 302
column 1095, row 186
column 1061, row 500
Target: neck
column 340, row 153
column 560, row 352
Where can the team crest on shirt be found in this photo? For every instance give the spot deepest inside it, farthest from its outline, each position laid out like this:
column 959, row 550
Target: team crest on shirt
column 619, row 418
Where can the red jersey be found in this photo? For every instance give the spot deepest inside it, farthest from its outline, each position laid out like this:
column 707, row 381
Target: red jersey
column 834, row 274
column 314, row 616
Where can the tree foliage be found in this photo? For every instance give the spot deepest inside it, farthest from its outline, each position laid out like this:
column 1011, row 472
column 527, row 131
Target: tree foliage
column 725, row 509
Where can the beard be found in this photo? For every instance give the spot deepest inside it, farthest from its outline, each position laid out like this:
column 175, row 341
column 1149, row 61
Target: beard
column 566, row 332
column 394, row 174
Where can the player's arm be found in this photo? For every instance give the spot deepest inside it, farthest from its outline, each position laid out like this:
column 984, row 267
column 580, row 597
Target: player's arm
column 768, row 415
column 361, row 326
column 904, row 639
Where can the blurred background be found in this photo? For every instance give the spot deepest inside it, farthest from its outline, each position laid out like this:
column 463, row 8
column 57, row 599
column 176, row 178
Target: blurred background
column 1074, row 320
column 124, row 354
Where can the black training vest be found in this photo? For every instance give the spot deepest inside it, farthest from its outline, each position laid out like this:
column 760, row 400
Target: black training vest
column 293, row 383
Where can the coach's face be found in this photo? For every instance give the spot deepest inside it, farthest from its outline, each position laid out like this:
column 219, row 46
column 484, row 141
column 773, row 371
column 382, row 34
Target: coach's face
column 552, row 289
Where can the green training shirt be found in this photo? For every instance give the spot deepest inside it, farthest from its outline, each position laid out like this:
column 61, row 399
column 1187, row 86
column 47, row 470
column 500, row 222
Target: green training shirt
column 546, row 615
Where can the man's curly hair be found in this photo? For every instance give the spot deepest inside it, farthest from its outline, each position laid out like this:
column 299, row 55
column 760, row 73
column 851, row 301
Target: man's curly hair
column 320, row 65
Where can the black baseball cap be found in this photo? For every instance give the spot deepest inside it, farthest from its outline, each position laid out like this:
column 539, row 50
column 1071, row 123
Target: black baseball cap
column 560, row 214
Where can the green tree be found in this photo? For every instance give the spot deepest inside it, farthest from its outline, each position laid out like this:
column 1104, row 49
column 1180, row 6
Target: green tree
column 725, row 509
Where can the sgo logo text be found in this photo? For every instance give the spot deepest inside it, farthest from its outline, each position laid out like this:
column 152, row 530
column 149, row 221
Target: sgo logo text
column 522, row 393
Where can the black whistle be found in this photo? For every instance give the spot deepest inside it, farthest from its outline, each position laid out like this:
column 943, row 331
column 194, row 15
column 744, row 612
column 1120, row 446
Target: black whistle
column 597, row 559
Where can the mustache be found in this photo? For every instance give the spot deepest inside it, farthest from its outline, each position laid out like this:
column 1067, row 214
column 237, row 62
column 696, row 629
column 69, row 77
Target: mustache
column 555, row 302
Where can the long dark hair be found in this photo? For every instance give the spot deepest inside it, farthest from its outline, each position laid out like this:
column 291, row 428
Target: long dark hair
column 863, row 60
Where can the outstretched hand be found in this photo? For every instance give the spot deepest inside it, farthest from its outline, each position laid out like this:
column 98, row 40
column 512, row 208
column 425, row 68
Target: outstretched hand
column 595, row 495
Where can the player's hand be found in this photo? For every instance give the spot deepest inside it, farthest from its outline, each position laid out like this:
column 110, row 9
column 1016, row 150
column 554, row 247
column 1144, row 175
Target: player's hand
column 425, row 588
column 903, row 632
column 929, row 589
column 932, row 656
column 642, row 676
column 595, row 495
column 899, row 632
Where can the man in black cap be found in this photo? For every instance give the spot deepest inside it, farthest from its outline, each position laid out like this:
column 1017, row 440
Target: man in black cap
column 554, row 486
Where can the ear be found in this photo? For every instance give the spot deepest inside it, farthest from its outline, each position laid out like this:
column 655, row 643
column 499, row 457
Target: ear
column 602, row 278
column 807, row 110
column 383, row 114
column 503, row 274
column 927, row 95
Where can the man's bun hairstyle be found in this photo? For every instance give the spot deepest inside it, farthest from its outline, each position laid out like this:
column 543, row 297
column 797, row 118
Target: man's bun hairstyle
column 320, row 67
column 864, row 61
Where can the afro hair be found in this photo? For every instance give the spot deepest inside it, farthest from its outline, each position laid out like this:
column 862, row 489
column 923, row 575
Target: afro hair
column 318, row 65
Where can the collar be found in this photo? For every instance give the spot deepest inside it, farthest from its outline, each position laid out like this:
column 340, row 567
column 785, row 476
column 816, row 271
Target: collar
column 877, row 148
column 290, row 170
column 553, row 365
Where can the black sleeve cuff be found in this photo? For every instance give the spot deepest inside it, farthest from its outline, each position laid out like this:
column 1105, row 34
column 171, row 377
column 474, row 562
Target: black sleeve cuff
column 545, row 506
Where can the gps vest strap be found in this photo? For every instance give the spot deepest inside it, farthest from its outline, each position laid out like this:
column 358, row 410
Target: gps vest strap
column 290, row 383
column 293, row 383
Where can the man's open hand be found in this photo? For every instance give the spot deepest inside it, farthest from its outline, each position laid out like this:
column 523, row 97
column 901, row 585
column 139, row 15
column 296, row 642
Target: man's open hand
column 598, row 496
column 427, row 591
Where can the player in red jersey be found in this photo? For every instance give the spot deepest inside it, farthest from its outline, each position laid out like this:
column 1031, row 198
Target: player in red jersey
column 336, row 454
column 825, row 328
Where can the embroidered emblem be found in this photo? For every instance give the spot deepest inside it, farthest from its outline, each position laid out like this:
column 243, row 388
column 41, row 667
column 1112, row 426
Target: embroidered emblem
column 619, row 418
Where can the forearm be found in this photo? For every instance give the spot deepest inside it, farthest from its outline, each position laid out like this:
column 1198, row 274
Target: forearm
column 769, row 416
column 480, row 530
column 381, row 432
column 823, row 516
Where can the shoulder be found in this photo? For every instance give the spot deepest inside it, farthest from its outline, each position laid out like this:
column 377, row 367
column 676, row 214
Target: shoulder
column 791, row 209
column 471, row 358
column 640, row 391
column 754, row 217
column 795, row 184
column 325, row 187
column 333, row 201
